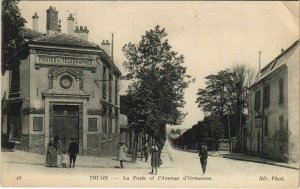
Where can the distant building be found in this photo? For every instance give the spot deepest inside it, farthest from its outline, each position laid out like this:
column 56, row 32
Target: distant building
column 66, row 86
column 273, row 125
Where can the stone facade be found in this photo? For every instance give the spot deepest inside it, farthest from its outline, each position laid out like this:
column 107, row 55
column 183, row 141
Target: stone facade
column 67, row 87
column 273, row 125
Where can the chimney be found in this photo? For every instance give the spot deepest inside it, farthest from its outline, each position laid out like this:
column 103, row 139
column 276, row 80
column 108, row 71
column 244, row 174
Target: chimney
column 105, row 45
column 35, row 22
column 70, row 24
column 282, row 50
column 81, row 32
column 52, row 21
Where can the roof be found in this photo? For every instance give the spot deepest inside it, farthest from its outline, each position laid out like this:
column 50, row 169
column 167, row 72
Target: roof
column 31, row 33
column 64, row 39
column 276, row 63
column 61, row 39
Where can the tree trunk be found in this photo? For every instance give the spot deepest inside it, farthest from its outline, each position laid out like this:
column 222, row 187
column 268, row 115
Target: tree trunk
column 134, row 147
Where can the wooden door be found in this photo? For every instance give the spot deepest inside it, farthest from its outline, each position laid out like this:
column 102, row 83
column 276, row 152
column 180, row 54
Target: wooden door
column 65, row 124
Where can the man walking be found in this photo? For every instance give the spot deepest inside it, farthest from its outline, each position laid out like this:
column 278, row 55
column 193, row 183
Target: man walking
column 203, row 157
column 73, row 151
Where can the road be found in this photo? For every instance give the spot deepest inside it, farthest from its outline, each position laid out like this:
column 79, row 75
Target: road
column 188, row 162
column 184, row 166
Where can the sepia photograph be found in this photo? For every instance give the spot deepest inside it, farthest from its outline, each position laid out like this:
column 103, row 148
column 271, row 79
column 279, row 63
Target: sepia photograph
column 150, row 94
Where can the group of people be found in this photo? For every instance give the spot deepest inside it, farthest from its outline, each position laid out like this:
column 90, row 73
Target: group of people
column 58, row 157
column 153, row 151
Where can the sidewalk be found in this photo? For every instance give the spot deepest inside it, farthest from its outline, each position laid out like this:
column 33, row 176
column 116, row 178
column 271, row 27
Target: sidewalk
column 22, row 157
column 244, row 157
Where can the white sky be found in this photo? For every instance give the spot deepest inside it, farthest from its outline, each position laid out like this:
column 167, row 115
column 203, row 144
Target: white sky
column 211, row 35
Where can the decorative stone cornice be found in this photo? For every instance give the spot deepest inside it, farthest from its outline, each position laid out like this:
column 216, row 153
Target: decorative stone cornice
column 65, row 95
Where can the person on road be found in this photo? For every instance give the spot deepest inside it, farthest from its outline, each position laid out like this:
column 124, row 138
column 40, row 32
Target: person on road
column 53, row 150
column 154, row 157
column 73, row 151
column 146, row 151
column 203, row 157
column 64, row 158
column 122, row 153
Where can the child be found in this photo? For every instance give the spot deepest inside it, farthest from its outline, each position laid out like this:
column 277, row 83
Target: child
column 73, row 151
column 122, row 153
column 64, row 159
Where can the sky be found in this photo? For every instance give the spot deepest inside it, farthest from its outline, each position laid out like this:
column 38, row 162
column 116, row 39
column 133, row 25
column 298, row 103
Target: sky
column 211, row 35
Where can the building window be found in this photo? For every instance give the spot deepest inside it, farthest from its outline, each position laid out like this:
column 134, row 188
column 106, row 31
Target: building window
column 37, row 124
column 104, row 121
column 267, row 96
column 110, row 87
column 282, row 131
column 266, row 129
column 104, row 83
column 117, row 121
column 116, row 90
column 281, row 91
column 281, row 119
column 92, row 126
column 110, row 123
column 257, row 100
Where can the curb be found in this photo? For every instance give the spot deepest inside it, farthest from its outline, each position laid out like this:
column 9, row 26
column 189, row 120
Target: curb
column 255, row 161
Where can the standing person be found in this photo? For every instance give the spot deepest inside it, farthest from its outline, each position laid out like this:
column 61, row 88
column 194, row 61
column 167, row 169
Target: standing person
column 203, row 157
column 73, row 151
column 53, row 150
column 146, row 151
column 51, row 157
column 64, row 158
column 154, row 157
column 58, row 149
column 122, row 153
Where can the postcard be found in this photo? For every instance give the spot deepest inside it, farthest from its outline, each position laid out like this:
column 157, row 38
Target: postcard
column 155, row 94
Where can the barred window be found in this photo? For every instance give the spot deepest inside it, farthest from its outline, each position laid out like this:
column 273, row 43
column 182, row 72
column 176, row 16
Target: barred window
column 92, row 125
column 37, row 124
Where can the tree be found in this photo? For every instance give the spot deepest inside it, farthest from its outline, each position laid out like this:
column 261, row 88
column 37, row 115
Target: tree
column 225, row 98
column 158, row 83
column 12, row 35
column 213, row 100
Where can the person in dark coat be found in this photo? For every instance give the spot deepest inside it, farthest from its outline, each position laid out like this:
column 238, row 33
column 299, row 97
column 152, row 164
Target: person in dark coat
column 154, row 157
column 203, row 157
column 54, row 148
column 146, row 151
column 73, row 151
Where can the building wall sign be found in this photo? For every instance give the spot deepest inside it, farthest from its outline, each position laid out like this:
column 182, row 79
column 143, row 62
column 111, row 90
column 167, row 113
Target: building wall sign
column 50, row 60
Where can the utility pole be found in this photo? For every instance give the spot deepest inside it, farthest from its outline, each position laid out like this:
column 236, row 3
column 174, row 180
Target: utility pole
column 259, row 63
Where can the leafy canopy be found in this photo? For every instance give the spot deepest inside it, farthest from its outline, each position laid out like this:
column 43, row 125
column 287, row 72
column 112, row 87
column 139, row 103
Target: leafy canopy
column 12, row 37
column 158, row 81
